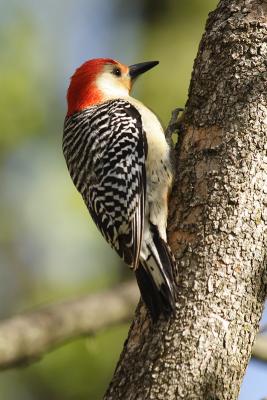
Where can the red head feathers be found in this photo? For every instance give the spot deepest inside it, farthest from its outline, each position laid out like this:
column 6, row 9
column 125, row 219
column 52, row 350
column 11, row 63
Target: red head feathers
column 83, row 90
column 102, row 79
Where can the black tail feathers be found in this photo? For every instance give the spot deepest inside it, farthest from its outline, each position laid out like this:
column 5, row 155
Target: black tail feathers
column 155, row 279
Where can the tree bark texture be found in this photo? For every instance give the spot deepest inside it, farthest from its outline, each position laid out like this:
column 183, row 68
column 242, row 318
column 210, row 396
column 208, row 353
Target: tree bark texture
column 217, row 224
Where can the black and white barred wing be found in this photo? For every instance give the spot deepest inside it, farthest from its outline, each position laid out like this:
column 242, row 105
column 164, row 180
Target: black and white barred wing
column 111, row 177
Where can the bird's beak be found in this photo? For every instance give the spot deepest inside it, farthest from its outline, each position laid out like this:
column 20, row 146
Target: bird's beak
column 138, row 69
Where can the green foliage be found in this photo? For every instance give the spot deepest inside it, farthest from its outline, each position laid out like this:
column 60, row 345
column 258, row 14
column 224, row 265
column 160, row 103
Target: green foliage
column 172, row 37
column 80, row 370
column 21, row 101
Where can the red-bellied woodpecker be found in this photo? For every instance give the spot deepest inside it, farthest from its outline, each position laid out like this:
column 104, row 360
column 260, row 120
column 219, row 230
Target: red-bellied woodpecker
column 119, row 161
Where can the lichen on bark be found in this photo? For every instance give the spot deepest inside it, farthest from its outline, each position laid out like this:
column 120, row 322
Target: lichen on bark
column 217, row 224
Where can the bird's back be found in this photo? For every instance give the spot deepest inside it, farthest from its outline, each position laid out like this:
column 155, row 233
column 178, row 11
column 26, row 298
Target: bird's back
column 119, row 160
column 105, row 155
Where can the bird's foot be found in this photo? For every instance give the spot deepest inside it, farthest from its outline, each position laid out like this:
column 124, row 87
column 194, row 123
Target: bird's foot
column 174, row 124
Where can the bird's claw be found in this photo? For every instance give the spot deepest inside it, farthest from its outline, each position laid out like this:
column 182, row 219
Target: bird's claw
column 174, row 124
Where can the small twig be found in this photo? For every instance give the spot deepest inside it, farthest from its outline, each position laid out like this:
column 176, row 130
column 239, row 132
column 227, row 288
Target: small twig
column 27, row 337
column 259, row 350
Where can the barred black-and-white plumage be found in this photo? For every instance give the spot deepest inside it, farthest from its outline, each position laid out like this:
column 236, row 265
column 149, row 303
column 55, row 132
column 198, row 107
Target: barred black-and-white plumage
column 119, row 161
column 105, row 150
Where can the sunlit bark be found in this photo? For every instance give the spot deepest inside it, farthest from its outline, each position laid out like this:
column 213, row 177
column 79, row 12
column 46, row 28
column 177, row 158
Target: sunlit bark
column 217, row 224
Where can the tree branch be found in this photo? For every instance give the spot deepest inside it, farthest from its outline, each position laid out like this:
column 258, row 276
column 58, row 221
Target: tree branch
column 27, row 337
column 259, row 350
column 217, row 224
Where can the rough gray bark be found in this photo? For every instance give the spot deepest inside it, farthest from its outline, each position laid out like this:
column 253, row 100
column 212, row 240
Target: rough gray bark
column 217, row 224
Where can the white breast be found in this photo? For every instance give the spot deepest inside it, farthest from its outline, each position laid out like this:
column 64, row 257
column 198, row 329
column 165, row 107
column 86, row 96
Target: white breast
column 158, row 148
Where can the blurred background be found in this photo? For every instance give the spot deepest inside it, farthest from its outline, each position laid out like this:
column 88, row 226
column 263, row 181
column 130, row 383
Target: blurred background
column 49, row 248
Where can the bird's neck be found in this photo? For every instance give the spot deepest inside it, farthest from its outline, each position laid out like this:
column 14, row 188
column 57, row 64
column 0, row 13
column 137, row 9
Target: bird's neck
column 92, row 95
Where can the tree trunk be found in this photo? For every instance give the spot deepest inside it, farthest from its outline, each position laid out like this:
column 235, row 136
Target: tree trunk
column 217, row 224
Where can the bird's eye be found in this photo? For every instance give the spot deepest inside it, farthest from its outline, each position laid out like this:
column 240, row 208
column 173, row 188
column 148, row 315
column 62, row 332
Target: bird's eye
column 116, row 71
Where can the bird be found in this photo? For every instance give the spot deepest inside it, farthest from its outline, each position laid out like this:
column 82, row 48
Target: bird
column 119, row 160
